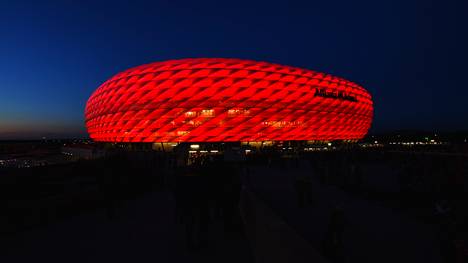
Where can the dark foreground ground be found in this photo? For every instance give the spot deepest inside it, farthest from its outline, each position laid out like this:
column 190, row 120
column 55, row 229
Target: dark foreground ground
column 372, row 232
column 144, row 230
column 312, row 208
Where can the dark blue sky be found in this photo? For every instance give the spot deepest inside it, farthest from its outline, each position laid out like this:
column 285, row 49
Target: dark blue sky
column 411, row 55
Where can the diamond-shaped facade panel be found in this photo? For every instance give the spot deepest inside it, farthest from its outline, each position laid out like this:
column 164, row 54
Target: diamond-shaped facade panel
column 214, row 100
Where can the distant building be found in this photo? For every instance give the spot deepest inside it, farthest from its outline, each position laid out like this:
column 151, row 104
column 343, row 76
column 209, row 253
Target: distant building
column 225, row 100
column 87, row 152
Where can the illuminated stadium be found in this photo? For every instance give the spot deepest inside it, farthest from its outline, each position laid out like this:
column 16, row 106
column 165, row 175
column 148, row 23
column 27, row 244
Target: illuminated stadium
column 226, row 100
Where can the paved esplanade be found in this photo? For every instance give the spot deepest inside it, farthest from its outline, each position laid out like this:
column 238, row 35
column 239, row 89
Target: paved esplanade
column 144, row 231
column 373, row 233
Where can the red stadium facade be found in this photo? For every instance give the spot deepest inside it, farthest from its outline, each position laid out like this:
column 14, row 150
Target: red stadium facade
column 221, row 100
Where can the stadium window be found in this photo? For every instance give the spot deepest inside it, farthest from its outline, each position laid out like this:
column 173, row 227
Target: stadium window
column 207, row 113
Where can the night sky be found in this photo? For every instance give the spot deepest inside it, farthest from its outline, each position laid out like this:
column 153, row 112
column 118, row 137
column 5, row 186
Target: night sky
column 411, row 55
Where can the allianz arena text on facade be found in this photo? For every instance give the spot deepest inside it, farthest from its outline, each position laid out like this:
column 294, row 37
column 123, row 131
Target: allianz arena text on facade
column 221, row 100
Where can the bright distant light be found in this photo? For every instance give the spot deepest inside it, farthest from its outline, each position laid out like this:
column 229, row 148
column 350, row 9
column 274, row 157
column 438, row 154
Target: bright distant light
column 432, row 141
column 192, row 151
column 194, row 146
column 213, row 151
column 376, row 142
column 329, row 144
